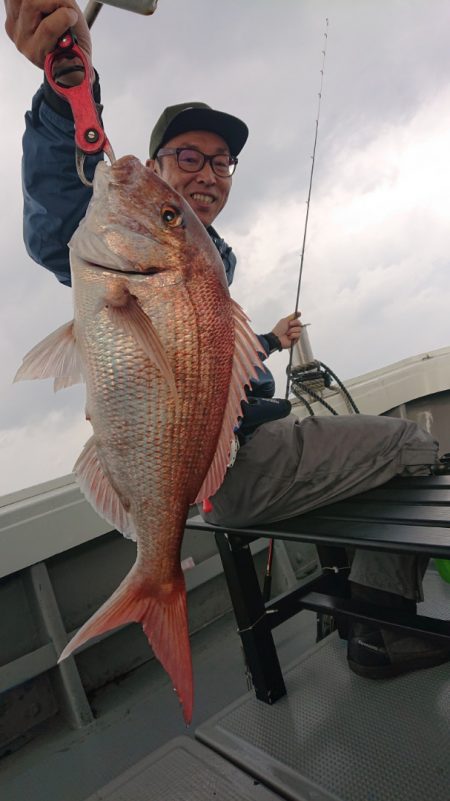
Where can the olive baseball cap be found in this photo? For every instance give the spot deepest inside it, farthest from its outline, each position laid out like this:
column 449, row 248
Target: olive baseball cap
column 198, row 117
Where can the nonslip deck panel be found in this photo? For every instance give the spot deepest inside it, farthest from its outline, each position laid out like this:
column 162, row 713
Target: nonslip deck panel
column 184, row 770
column 355, row 739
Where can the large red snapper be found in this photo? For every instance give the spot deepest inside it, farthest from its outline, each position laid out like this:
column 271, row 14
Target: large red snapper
column 165, row 354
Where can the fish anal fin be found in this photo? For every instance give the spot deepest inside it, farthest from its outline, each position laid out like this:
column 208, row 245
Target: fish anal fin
column 246, row 358
column 164, row 621
column 57, row 356
column 128, row 314
column 100, row 493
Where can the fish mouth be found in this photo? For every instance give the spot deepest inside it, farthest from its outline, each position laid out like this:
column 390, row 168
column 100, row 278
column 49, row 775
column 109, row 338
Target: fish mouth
column 144, row 272
column 160, row 278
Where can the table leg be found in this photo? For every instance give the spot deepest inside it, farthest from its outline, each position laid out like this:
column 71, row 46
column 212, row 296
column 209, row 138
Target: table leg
column 340, row 559
column 251, row 617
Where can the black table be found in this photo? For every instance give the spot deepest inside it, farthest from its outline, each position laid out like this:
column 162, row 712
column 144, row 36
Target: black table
column 405, row 515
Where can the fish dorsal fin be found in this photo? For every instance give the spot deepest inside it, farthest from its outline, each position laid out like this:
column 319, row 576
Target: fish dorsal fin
column 57, row 356
column 245, row 359
column 98, row 490
column 126, row 311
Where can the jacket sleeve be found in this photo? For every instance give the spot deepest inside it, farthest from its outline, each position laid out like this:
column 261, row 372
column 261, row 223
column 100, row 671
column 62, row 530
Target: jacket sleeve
column 55, row 200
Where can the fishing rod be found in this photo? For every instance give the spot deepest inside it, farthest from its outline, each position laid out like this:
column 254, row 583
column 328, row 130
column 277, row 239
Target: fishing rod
column 94, row 7
column 308, row 202
column 268, row 573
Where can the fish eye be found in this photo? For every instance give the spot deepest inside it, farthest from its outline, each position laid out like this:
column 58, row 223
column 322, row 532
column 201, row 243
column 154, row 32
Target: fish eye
column 171, row 216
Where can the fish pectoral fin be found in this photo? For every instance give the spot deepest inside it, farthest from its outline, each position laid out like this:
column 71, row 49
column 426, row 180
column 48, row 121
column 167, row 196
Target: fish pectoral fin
column 57, row 356
column 164, row 620
column 129, row 315
column 98, row 490
column 245, row 359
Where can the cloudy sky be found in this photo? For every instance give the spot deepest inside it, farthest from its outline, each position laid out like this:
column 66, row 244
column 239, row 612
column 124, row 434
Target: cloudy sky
column 376, row 281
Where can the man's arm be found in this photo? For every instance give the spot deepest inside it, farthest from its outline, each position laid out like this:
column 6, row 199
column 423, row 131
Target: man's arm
column 54, row 198
column 284, row 334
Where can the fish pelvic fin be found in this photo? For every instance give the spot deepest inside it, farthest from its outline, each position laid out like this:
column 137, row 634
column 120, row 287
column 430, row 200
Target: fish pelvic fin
column 246, row 358
column 98, row 490
column 163, row 617
column 57, row 356
column 127, row 313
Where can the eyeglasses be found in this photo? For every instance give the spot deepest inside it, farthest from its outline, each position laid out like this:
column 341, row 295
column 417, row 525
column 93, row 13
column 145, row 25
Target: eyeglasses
column 191, row 160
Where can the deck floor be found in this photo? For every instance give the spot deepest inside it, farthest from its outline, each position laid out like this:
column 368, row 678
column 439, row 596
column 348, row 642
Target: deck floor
column 338, row 736
column 196, row 774
column 334, row 729
column 138, row 715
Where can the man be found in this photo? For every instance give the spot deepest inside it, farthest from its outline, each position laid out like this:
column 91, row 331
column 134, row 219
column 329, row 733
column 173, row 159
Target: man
column 283, row 466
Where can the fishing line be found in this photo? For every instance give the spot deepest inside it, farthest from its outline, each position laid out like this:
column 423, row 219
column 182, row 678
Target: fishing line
column 308, row 202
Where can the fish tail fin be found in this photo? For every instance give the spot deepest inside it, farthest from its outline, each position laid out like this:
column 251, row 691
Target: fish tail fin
column 164, row 620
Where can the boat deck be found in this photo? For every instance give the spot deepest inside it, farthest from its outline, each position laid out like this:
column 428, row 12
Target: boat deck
column 196, row 773
column 138, row 714
column 334, row 736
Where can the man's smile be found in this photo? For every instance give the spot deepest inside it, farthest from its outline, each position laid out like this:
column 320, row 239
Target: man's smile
column 201, row 198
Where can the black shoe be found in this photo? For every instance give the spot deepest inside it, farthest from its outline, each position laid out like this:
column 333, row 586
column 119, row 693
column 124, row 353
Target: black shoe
column 368, row 655
column 377, row 653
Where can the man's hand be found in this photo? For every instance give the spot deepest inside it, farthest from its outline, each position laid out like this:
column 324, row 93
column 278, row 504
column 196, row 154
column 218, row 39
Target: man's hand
column 36, row 25
column 288, row 330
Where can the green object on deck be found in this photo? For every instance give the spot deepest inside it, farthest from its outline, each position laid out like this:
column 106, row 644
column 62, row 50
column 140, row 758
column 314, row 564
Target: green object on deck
column 443, row 566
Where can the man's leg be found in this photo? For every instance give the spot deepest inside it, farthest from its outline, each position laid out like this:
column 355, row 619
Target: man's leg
column 289, row 467
column 393, row 581
column 401, row 574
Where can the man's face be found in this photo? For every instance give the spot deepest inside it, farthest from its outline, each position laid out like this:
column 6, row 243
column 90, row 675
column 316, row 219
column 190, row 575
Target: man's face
column 205, row 191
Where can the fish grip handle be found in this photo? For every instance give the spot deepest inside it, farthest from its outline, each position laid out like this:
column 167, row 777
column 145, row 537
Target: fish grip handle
column 90, row 138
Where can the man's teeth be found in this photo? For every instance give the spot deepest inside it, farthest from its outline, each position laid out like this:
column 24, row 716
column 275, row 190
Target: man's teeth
column 203, row 198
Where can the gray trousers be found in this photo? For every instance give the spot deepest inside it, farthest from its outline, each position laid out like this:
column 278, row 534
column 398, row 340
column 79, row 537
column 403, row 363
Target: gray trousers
column 291, row 466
